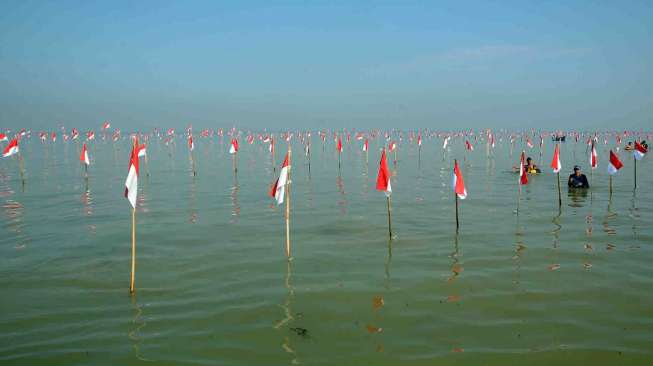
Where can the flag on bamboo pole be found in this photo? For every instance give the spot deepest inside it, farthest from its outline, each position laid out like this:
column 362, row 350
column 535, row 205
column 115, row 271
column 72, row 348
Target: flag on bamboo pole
column 640, row 151
column 469, row 145
column 83, row 157
column 614, row 164
column 523, row 175
column 278, row 189
column 383, row 178
column 131, row 183
column 106, row 125
column 142, row 151
column 191, row 145
column 11, row 148
column 234, row 146
column 365, row 145
column 594, row 160
column 458, row 184
column 3, row 137
column 556, row 165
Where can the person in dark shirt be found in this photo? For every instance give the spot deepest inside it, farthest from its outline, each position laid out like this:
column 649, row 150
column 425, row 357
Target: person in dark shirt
column 578, row 179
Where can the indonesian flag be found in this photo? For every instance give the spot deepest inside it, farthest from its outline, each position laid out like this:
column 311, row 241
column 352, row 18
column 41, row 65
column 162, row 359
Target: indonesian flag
column 90, row 135
column 278, row 189
column 131, row 183
column 419, row 140
column 106, row 125
column 392, row 146
column 594, row 160
column 191, row 145
column 54, row 137
column 492, row 141
column 529, row 143
column 10, row 149
column 234, row 146
column 171, row 131
column 458, row 183
column 250, row 139
column 83, row 157
column 3, row 137
column 614, row 164
column 523, row 177
column 365, row 145
column 339, row 145
column 555, row 163
column 142, row 151
column 75, row 134
column 445, row 143
column 383, row 178
column 271, row 148
column 469, row 145
column 639, row 151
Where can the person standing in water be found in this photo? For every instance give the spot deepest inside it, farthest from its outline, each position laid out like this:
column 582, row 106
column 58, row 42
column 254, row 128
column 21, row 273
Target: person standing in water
column 578, row 179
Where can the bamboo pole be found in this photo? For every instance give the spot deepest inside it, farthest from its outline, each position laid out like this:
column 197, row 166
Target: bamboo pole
column 610, row 186
column 635, row 171
column 389, row 217
column 559, row 192
column 288, row 253
column 133, row 273
column 457, row 222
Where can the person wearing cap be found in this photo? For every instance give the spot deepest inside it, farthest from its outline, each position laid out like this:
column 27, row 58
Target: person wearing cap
column 578, row 179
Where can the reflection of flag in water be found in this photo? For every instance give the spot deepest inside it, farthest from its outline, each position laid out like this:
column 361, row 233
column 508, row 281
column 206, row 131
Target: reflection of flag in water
column 640, row 151
column 278, row 189
column 614, row 164
column 523, row 176
column 383, row 178
column 11, row 148
column 556, row 165
column 83, row 157
column 458, row 184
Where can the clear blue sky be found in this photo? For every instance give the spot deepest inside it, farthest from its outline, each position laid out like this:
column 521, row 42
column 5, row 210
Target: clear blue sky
column 292, row 64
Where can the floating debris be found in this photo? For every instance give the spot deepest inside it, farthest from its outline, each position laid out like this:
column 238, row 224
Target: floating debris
column 458, row 350
column 453, row 298
column 302, row 332
column 377, row 302
column 554, row 267
column 373, row 329
column 587, row 265
column 610, row 246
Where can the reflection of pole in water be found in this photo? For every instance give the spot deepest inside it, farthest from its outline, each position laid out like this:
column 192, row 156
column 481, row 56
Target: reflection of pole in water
column 556, row 231
column 139, row 324
column 235, row 208
column 287, row 310
column 388, row 261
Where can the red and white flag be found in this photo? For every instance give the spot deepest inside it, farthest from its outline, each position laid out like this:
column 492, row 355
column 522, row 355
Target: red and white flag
column 90, row 135
column 640, row 151
column 339, row 144
column 106, row 125
column 392, row 146
column 3, row 137
column 419, row 140
column 131, row 183
column 555, row 163
column 594, row 160
column 365, row 145
column 278, row 189
column 529, row 143
column 191, row 145
column 142, row 151
column 614, row 164
column 83, row 157
column 469, row 145
column 234, row 146
column 458, row 184
column 11, row 148
column 523, row 176
column 383, row 178
column 271, row 148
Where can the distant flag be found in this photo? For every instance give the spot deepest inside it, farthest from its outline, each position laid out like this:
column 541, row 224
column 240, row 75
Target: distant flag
column 392, row 146
column 54, row 136
column 131, row 183
column 614, row 164
column 523, row 176
column 142, row 151
column 271, row 147
column 83, row 157
column 469, row 145
column 10, row 149
column 365, row 145
column 90, row 135
column 529, row 143
column 234, row 146
column 555, row 163
column 339, row 144
column 279, row 187
column 419, row 140
column 171, row 131
column 3, row 137
column 106, row 125
column 458, row 184
column 640, row 151
column 594, row 160
column 75, row 134
column 383, row 178
column 445, row 143
column 191, row 145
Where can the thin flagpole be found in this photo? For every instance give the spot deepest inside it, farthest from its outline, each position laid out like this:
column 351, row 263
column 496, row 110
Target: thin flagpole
column 133, row 275
column 288, row 253
column 610, row 186
column 559, row 192
column 389, row 217
column 635, row 178
column 457, row 222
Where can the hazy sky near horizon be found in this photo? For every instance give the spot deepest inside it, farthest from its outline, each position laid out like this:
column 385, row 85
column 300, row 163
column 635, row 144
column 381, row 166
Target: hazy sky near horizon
column 290, row 64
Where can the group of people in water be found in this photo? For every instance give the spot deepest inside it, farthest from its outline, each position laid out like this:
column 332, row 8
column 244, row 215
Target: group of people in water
column 576, row 180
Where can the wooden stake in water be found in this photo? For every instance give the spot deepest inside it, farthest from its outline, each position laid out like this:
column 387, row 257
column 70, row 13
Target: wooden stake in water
column 288, row 253
column 133, row 275
column 457, row 222
column 635, row 171
column 233, row 163
column 610, row 176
